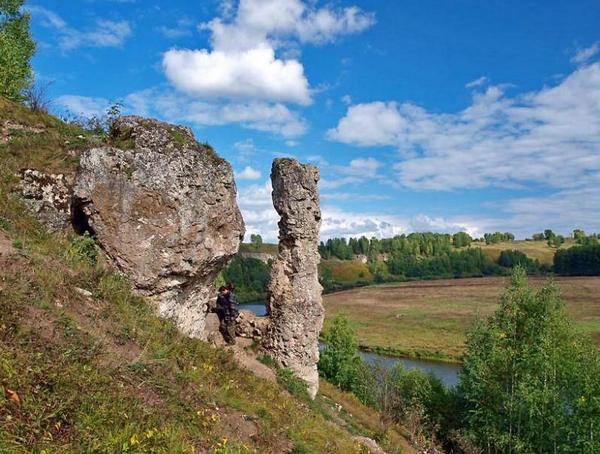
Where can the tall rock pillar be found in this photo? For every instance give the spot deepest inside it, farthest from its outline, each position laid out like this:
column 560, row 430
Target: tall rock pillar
column 295, row 302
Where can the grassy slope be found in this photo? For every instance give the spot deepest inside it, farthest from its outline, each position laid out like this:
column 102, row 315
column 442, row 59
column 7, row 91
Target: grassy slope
column 430, row 318
column 102, row 373
column 534, row 249
column 346, row 271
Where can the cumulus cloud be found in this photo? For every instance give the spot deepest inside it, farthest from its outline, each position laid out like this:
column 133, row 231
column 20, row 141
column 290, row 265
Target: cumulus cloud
column 550, row 137
column 260, row 22
column 376, row 123
column 249, row 173
column 104, row 33
column 252, row 74
column 275, row 118
column 243, row 62
column 584, row 55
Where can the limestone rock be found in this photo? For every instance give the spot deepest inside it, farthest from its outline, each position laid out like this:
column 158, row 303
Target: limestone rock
column 295, row 302
column 48, row 196
column 251, row 326
column 163, row 208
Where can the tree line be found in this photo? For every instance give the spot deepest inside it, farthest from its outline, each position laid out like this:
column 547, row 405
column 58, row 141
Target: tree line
column 252, row 276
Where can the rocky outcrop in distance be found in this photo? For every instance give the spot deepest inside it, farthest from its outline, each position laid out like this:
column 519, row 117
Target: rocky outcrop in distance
column 295, row 303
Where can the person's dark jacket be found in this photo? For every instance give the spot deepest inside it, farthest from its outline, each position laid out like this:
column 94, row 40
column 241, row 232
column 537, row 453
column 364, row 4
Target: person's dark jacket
column 227, row 306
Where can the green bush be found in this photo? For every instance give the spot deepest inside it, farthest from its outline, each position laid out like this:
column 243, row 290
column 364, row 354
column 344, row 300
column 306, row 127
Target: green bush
column 83, row 249
column 340, row 363
column 4, row 224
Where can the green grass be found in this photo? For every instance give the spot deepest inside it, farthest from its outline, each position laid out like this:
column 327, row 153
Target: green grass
column 429, row 319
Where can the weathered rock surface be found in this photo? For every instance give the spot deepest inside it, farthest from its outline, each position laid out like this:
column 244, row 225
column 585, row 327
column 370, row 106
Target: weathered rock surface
column 251, row 326
column 163, row 208
column 48, row 196
column 295, row 302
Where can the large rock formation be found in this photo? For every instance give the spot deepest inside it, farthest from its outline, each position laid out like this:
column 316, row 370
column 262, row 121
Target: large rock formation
column 295, row 303
column 163, row 208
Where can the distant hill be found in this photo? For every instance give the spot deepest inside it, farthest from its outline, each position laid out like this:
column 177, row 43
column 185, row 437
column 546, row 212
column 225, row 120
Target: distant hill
column 533, row 249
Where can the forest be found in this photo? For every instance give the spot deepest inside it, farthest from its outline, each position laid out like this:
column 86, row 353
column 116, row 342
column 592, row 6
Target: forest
column 423, row 256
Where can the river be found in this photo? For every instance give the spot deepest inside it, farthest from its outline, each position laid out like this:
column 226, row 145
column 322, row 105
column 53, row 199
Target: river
column 446, row 372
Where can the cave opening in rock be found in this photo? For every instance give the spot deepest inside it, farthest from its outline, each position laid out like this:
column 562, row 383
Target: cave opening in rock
column 80, row 220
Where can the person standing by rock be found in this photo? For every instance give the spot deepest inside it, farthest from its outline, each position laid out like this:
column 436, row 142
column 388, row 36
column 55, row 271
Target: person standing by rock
column 227, row 311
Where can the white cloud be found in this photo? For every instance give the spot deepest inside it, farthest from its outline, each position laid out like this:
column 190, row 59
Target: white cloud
column 179, row 30
column 375, row 123
column 346, row 99
column 550, row 137
column 561, row 211
column 258, row 22
column 83, row 105
column 275, row 118
column 362, row 167
column 243, row 62
column 586, row 54
column 249, row 173
column 104, row 33
column 177, row 108
column 260, row 217
column 251, row 74
column 477, row 82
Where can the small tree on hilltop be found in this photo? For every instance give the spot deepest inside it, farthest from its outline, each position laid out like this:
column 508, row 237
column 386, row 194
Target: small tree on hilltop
column 16, row 49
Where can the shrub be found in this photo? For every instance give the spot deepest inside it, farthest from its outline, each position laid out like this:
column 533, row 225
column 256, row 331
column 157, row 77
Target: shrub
column 83, row 249
column 340, row 363
column 4, row 224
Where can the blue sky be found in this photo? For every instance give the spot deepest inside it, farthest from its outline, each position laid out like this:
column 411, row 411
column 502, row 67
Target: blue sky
column 422, row 115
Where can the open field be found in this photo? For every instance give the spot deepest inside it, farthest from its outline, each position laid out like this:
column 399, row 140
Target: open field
column 430, row 318
column 533, row 249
